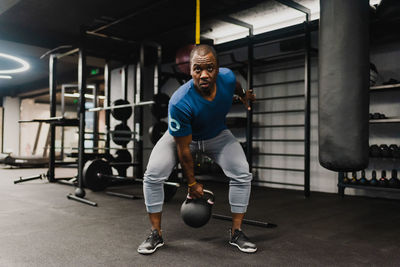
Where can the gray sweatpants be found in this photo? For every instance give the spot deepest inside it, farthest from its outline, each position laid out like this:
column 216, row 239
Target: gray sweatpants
column 224, row 149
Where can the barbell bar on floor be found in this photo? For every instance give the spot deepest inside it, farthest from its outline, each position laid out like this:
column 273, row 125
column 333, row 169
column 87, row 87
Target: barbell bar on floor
column 104, row 148
column 117, row 177
column 246, row 221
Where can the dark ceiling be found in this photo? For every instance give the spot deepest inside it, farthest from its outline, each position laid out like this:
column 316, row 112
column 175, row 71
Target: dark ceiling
column 29, row 28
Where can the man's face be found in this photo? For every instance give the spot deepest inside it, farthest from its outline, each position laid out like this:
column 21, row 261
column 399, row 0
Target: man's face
column 204, row 72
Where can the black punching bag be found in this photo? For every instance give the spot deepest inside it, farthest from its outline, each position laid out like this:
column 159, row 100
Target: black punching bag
column 343, row 84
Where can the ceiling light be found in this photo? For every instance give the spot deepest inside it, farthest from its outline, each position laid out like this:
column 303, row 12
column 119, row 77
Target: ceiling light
column 25, row 66
column 5, row 77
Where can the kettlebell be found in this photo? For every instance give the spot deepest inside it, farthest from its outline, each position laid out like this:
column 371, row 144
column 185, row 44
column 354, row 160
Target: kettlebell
column 374, row 181
column 363, row 180
column 385, row 151
column 374, row 151
column 346, row 179
column 383, row 181
column 354, row 180
column 197, row 212
column 393, row 181
column 394, row 149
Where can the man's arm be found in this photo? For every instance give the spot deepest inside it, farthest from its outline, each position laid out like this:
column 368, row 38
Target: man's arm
column 185, row 157
column 244, row 96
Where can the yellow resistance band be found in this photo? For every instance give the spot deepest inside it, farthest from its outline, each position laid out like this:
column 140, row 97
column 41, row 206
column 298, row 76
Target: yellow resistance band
column 197, row 22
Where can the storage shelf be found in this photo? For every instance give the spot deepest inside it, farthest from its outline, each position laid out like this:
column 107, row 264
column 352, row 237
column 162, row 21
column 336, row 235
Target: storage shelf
column 277, row 169
column 280, row 183
column 384, row 158
column 369, row 187
column 388, row 120
column 385, row 87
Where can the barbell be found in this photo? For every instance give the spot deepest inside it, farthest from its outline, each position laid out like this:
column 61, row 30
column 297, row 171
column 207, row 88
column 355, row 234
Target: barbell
column 97, row 174
column 159, row 107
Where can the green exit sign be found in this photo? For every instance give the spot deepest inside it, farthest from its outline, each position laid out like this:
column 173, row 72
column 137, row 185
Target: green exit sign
column 94, row 71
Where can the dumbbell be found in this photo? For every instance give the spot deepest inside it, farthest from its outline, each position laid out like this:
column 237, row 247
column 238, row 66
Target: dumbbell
column 394, row 181
column 373, row 181
column 383, row 181
column 363, row 180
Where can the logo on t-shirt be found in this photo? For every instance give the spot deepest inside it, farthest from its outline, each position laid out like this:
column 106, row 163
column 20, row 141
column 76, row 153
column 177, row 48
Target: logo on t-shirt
column 173, row 124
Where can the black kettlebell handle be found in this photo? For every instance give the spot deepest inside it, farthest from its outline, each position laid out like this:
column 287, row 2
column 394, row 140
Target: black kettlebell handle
column 210, row 200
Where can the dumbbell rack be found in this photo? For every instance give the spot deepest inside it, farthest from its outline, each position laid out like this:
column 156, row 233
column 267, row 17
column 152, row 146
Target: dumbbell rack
column 391, row 120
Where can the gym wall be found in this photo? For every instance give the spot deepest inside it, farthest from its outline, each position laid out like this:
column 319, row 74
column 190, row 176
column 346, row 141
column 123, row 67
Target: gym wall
column 29, row 111
column 28, row 131
column 11, row 126
column 385, row 57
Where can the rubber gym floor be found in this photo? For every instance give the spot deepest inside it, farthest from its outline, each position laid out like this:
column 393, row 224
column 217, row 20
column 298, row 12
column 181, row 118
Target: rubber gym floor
column 39, row 226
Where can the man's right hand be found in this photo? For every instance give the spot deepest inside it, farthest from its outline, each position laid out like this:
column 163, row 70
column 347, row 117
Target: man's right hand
column 196, row 191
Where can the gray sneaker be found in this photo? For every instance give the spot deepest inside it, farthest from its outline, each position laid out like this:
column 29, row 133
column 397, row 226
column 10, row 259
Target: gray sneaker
column 242, row 242
column 153, row 241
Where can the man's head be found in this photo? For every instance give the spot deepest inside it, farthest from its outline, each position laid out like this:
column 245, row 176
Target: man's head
column 204, row 68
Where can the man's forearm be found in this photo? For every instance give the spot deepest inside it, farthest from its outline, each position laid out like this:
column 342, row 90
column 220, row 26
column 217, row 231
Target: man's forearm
column 186, row 160
column 239, row 91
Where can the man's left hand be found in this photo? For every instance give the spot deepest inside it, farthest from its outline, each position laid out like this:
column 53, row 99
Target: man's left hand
column 247, row 98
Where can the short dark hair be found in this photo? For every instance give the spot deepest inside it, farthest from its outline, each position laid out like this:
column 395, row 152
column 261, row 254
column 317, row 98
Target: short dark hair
column 203, row 50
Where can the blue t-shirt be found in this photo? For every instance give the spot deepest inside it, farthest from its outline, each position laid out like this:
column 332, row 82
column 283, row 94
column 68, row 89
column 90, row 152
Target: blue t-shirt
column 189, row 113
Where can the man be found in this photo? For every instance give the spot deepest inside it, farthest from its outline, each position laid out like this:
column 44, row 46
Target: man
column 197, row 112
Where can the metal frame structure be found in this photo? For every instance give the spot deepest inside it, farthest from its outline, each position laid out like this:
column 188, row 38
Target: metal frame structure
column 251, row 42
column 138, row 112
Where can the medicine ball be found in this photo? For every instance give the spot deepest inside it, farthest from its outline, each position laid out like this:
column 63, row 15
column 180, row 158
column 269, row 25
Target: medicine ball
column 197, row 212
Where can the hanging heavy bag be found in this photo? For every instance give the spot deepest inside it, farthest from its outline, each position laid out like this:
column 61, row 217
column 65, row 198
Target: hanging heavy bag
column 344, row 85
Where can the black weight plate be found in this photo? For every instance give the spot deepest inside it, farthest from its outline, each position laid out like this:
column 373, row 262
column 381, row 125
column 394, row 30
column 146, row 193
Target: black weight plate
column 121, row 114
column 157, row 130
column 160, row 108
column 90, row 171
column 123, row 155
column 122, row 134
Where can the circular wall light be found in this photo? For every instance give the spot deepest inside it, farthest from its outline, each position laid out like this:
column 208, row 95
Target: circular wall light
column 24, row 65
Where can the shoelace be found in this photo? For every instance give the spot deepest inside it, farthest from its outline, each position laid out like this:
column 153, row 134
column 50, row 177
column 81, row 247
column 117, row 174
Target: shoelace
column 150, row 237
